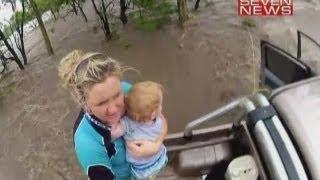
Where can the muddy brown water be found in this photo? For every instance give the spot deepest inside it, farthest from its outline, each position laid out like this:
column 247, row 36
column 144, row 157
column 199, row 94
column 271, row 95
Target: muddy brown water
column 211, row 62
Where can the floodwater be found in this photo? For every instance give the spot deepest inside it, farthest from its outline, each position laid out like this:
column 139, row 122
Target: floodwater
column 214, row 60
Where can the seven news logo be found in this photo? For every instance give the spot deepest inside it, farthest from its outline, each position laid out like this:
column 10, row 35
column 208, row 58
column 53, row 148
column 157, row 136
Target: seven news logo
column 265, row 7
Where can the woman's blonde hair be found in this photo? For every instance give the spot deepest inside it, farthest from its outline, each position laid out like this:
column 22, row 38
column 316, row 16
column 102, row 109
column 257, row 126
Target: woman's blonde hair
column 79, row 71
column 143, row 99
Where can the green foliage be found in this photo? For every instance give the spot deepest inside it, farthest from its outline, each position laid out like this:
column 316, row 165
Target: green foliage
column 7, row 31
column 11, row 88
column 152, row 14
column 29, row 15
column 46, row 5
column 115, row 35
column 126, row 44
column 147, row 24
column 17, row 17
column 7, row 90
column 249, row 23
column 15, row 21
column 43, row 6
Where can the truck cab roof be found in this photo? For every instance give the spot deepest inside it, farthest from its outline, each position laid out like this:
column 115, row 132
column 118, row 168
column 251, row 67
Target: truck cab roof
column 298, row 107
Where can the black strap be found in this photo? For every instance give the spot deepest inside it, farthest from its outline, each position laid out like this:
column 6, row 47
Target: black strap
column 282, row 150
column 265, row 114
column 106, row 134
column 261, row 113
column 98, row 172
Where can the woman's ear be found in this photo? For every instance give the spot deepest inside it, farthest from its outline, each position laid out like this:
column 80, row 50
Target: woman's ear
column 89, row 111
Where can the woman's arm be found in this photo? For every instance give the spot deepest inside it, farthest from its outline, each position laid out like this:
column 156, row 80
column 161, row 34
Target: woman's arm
column 146, row 147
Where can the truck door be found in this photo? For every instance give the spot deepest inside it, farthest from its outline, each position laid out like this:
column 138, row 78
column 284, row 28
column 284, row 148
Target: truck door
column 280, row 67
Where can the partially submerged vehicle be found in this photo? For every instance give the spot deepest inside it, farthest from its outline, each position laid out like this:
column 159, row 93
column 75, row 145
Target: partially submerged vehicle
column 277, row 136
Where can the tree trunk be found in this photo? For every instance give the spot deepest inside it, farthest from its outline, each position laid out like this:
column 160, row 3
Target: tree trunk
column 107, row 30
column 140, row 12
column 123, row 16
column 13, row 4
column 11, row 50
column 4, row 61
column 183, row 11
column 106, row 26
column 54, row 15
column 22, row 50
column 4, row 64
column 42, row 28
column 74, row 7
column 58, row 12
column 82, row 12
column 196, row 5
column 103, row 19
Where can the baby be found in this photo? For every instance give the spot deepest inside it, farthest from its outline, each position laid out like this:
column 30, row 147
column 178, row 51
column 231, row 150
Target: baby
column 144, row 122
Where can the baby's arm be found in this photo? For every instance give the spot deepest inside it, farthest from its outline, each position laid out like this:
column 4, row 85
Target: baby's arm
column 164, row 130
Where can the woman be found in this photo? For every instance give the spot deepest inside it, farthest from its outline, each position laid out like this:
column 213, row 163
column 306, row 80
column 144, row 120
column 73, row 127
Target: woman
column 95, row 82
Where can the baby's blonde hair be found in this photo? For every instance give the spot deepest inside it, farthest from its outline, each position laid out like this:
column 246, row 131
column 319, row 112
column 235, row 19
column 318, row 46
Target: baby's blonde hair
column 79, row 71
column 143, row 99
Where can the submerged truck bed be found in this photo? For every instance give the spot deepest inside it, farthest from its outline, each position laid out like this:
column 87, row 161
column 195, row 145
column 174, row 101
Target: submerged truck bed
column 208, row 152
column 281, row 134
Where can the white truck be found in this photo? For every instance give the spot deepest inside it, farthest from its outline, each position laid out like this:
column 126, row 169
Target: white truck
column 277, row 136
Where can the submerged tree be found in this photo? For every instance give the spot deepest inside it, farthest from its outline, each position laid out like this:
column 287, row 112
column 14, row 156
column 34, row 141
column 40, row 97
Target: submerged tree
column 41, row 25
column 54, row 7
column 12, row 3
column 102, row 13
column 196, row 5
column 182, row 11
column 73, row 5
column 14, row 57
column 4, row 61
column 123, row 8
column 16, row 25
column 77, row 5
column 13, row 29
column 152, row 14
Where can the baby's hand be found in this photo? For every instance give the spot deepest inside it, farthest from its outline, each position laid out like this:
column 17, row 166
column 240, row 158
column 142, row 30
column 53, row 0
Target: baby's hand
column 143, row 148
column 117, row 131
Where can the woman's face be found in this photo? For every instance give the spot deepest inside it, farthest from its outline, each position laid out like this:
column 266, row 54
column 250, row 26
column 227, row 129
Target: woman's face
column 106, row 101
